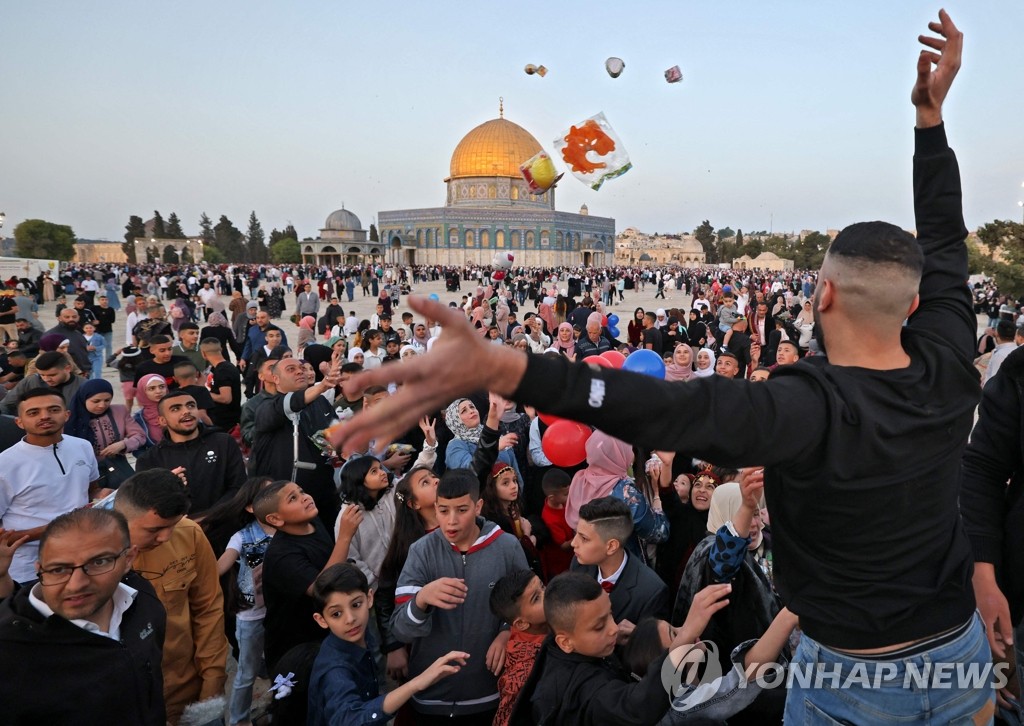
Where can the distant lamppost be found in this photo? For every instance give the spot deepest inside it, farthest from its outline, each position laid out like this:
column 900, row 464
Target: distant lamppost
column 3, row 216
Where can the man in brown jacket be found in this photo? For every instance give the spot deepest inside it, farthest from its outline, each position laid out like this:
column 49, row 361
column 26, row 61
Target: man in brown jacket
column 175, row 556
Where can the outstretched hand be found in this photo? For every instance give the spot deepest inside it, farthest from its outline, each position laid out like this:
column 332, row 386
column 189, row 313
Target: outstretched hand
column 460, row 362
column 933, row 85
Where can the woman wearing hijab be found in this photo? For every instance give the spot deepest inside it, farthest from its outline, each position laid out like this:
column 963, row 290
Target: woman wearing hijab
column 705, row 363
column 241, row 325
column 109, row 427
column 217, row 327
column 681, row 367
column 149, row 391
column 607, row 474
column 547, row 314
column 565, row 342
column 355, row 355
column 317, row 354
column 734, row 551
column 307, row 334
column 420, row 337
column 696, row 332
column 463, row 420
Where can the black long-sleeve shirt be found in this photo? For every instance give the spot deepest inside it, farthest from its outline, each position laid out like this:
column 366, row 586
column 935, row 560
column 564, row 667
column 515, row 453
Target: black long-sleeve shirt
column 994, row 512
column 861, row 465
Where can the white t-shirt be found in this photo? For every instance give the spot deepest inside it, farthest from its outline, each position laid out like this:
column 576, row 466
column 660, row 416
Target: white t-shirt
column 37, row 485
column 373, row 360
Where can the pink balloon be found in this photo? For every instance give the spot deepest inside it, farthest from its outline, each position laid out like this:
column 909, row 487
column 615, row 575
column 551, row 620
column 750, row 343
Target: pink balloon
column 600, row 361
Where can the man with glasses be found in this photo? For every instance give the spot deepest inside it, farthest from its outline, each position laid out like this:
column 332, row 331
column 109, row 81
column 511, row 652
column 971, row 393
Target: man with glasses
column 87, row 637
column 175, row 556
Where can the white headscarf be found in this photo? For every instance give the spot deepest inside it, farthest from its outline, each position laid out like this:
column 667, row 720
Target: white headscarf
column 710, row 370
column 725, row 502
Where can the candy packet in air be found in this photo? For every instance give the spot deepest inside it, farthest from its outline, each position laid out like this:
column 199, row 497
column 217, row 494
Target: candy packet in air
column 539, row 172
column 593, row 151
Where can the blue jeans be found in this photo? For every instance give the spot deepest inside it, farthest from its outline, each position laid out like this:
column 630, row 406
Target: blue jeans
column 892, row 692
column 250, row 656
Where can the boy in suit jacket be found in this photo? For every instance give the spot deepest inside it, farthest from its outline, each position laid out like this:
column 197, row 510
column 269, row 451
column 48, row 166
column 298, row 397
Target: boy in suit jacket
column 635, row 589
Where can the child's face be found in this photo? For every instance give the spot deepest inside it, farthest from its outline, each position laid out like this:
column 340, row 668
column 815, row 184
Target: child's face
column 294, row 506
column 424, row 489
column 595, row 630
column 346, row 615
column 89, row 328
column 703, row 361
column 682, row 486
column 759, row 376
column 558, row 499
column 587, row 545
column 531, row 606
column 457, row 517
column 376, row 478
column 507, row 486
column 273, row 338
column 666, row 633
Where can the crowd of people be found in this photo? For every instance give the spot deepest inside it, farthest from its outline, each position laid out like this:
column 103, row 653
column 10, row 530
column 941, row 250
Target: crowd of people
column 381, row 518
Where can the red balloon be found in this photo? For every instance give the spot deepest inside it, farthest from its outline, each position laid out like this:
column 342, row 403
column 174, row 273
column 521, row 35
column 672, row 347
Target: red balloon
column 597, row 360
column 549, row 418
column 614, row 357
column 604, row 321
column 565, row 443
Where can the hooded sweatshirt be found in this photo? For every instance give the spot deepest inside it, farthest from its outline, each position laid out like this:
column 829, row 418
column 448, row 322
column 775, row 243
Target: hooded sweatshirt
column 471, row 627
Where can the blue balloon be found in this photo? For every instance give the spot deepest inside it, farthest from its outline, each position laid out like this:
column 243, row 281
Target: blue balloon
column 433, row 296
column 645, row 361
column 613, row 319
column 613, row 330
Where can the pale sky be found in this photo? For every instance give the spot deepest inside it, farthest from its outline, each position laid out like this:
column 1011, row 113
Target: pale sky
column 790, row 114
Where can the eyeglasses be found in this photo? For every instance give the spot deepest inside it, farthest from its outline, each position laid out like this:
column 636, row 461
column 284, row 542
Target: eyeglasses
column 62, row 573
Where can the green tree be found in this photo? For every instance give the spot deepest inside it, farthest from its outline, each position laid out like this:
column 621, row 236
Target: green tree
column 705, row 234
column 168, row 255
column 809, row 252
column 255, row 240
column 1007, row 238
column 725, row 233
column 135, row 229
column 374, row 237
column 44, row 240
column 213, row 255
column 159, row 231
column 229, row 241
column 206, row 230
column 285, row 250
column 739, row 238
column 173, row 230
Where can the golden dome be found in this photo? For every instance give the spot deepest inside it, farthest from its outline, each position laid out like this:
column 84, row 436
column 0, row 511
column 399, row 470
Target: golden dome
column 494, row 148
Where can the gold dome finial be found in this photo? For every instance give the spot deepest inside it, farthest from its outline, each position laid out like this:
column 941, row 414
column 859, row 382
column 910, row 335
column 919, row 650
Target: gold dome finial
column 501, row 107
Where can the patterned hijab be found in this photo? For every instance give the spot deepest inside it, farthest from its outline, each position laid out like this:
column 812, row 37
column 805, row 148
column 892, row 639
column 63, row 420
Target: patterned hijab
column 459, row 429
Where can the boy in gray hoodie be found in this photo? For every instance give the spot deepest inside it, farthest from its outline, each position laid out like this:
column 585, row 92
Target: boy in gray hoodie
column 442, row 602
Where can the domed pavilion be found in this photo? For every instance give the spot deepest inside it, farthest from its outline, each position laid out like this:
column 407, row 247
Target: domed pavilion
column 342, row 241
column 489, row 208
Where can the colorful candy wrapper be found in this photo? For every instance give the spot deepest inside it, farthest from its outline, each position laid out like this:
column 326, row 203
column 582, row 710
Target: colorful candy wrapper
column 614, row 66
column 539, row 70
column 673, row 75
column 539, row 172
column 593, row 151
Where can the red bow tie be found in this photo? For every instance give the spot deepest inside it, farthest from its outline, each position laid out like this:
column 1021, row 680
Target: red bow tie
column 607, row 585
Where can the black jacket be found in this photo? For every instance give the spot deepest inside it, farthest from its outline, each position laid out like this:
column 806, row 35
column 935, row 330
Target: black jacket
column 638, row 593
column 63, row 674
column 213, row 464
column 566, row 689
column 994, row 513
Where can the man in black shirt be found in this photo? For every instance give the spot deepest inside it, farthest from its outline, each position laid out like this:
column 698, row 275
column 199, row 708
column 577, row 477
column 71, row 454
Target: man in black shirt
column 28, row 338
column 650, row 336
column 225, row 386
column 160, row 362
column 105, row 316
column 861, row 450
column 8, row 312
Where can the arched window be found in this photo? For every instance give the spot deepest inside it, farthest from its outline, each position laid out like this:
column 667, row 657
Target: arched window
column 485, row 239
column 531, row 241
column 515, row 192
column 499, row 238
column 469, row 238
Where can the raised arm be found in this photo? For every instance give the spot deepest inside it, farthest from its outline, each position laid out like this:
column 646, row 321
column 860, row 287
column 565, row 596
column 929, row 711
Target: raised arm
column 946, row 307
